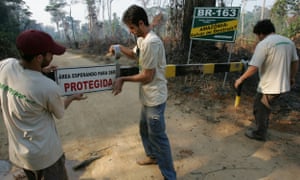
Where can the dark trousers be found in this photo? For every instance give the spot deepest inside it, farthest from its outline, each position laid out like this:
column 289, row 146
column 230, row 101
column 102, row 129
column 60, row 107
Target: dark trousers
column 262, row 109
column 57, row 171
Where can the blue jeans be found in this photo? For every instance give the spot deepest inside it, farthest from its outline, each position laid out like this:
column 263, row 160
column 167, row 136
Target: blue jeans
column 155, row 140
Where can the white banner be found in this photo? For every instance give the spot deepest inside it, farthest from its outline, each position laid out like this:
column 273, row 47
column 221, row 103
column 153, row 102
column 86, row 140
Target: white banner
column 86, row 79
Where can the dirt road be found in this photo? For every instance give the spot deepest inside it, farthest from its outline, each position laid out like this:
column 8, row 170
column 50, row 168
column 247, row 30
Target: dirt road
column 206, row 135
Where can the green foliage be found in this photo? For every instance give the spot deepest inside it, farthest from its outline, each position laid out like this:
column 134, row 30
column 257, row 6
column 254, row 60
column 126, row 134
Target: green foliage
column 285, row 14
column 286, row 17
column 56, row 9
column 14, row 18
column 294, row 27
column 7, row 45
column 10, row 27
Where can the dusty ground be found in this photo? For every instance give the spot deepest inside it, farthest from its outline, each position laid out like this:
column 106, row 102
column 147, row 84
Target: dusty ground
column 206, row 134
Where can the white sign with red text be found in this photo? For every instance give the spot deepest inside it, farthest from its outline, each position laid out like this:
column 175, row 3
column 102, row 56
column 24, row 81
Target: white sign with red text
column 85, row 79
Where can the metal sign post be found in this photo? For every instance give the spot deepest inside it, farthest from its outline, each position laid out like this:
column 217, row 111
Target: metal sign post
column 215, row 24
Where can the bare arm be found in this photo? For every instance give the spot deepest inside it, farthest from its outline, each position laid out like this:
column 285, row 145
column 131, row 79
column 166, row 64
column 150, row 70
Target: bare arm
column 144, row 77
column 125, row 50
column 128, row 52
column 249, row 72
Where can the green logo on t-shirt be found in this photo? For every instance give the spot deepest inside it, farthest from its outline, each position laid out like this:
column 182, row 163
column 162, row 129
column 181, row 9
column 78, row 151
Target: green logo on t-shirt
column 15, row 93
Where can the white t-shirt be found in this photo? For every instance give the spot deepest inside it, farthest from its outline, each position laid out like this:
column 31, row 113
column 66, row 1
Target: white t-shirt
column 28, row 102
column 152, row 56
column 273, row 57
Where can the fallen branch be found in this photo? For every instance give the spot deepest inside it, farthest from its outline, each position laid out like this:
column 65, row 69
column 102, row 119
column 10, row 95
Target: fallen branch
column 86, row 162
column 93, row 156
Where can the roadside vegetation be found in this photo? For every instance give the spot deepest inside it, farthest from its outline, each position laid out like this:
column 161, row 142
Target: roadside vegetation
column 171, row 20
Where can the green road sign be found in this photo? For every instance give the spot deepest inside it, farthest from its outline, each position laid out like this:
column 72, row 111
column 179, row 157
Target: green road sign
column 215, row 24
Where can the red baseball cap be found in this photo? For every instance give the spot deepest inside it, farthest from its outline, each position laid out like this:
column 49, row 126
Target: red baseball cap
column 34, row 42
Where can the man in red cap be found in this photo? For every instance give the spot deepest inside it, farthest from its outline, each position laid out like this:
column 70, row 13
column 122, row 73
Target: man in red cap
column 29, row 100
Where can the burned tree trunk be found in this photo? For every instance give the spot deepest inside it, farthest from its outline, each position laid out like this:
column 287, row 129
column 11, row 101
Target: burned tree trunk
column 188, row 18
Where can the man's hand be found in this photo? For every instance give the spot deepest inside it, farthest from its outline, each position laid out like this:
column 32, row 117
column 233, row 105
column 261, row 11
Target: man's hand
column 237, row 83
column 117, row 86
column 73, row 97
column 49, row 69
column 78, row 97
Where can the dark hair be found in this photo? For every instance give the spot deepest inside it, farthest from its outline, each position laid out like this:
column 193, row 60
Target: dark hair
column 264, row 27
column 134, row 14
column 28, row 57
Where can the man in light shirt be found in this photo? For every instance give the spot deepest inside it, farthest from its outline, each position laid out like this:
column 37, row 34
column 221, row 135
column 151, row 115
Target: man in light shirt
column 153, row 92
column 276, row 60
column 29, row 102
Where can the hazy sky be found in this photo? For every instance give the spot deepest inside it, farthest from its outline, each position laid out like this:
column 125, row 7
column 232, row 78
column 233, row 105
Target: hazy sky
column 79, row 11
